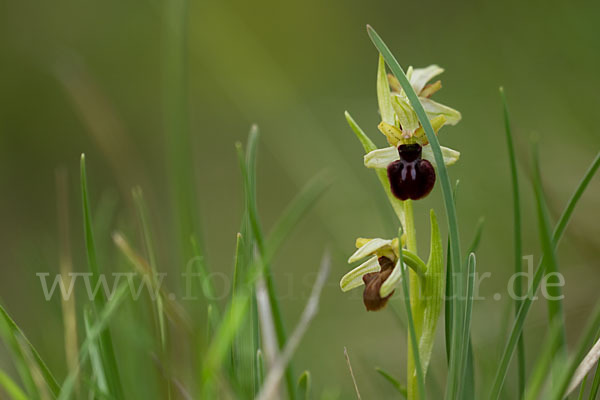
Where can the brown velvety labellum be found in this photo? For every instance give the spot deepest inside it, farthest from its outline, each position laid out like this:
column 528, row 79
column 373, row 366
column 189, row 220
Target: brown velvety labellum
column 411, row 177
column 373, row 281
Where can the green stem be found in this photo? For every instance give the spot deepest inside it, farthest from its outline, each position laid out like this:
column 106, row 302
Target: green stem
column 415, row 301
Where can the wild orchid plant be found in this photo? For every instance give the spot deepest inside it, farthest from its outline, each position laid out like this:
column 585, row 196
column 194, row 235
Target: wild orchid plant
column 407, row 171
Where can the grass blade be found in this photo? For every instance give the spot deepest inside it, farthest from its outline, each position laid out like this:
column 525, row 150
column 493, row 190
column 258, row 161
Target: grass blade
column 559, row 390
column 93, row 334
column 304, row 386
column 455, row 362
column 555, row 305
column 517, row 236
column 393, row 381
column 106, row 344
column 269, row 389
column 18, row 342
column 539, row 273
column 472, row 265
column 595, row 383
column 11, row 387
column 249, row 177
column 411, row 324
column 352, row 373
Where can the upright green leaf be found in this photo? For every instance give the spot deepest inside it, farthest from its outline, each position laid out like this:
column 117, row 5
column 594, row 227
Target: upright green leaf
column 107, row 352
column 304, row 384
column 517, row 327
column 517, row 240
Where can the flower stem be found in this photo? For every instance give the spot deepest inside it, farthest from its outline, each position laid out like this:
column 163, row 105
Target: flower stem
column 415, row 301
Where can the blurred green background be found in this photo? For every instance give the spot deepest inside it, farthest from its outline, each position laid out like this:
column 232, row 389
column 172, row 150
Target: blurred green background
column 89, row 76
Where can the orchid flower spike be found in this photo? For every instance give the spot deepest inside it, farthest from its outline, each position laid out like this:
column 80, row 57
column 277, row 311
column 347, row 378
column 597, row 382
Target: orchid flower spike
column 377, row 273
column 409, row 159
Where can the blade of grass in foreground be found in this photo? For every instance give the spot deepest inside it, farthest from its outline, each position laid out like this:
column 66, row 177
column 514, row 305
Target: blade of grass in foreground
column 393, row 381
column 543, row 363
column 459, row 279
column 14, row 338
column 11, row 387
column 562, row 380
column 249, row 175
column 239, row 305
column 411, row 325
column 106, row 344
column 94, row 333
column 517, row 241
column 555, row 303
column 537, row 279
column 466, row 344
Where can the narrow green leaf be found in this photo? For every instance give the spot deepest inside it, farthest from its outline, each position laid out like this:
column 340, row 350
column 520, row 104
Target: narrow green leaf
column 260, row 368
column 106, row 344
column 555, row 305
column 466, row 344
column 369, row 146
column 517, row 327
column 98, row 375
column 568, row 369
column 595, row 383
column 458, row 280
column 411, row 324
column 304, row 386
column 394, row 382
column 15, row 339
column 542, row 366
column 517, row 240
column 433, row 293
column 11, row 388
column 157, row 306
column 94, row 334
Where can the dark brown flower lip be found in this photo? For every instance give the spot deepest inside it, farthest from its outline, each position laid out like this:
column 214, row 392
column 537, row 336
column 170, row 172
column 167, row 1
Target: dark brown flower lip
column 373, row 281
column 411, row 177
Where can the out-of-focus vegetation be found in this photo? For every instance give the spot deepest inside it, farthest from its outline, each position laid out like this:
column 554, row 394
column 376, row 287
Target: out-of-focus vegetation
column 90, row 77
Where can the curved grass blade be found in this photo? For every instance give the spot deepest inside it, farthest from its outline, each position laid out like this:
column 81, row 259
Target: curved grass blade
column 537, row 279
column 15, row 339
column 458, row 281
column 393, row 381
column 517, row 235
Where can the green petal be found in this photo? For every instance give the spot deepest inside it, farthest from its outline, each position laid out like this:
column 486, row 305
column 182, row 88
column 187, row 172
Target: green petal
column 420, row 76
column 405, row 113
column 392, row 281
column 369, row 248
column 450, row 156
column 433, row 109
column 384, row 97
column 353, row 279
column 381, row 158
